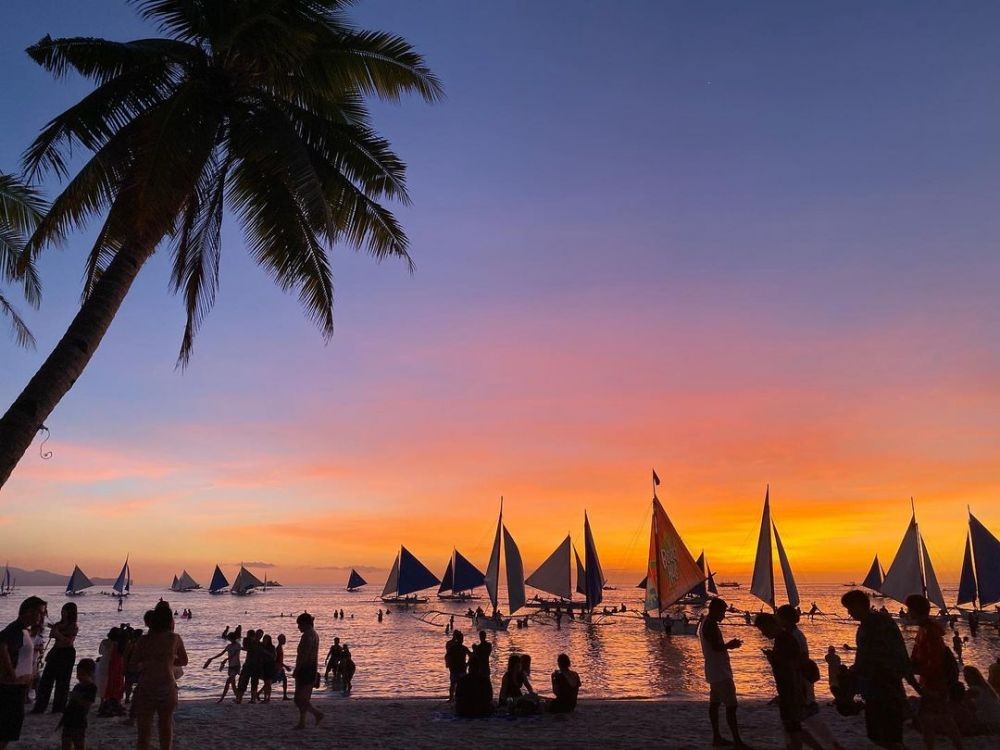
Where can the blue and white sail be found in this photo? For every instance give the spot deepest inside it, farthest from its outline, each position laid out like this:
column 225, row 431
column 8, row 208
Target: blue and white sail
column 980, row 582
column 78, row 581
column 465, row 575
column 911, row 571
column 123, row 582
column 355, row 581
column 219, row 582
column 408, row 575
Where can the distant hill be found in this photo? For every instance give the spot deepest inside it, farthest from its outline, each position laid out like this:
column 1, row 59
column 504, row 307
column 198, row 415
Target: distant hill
column 48, row 578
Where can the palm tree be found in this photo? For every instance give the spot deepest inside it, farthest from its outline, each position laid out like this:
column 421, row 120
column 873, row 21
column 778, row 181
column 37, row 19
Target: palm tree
column 21, row 208
column 257, row 106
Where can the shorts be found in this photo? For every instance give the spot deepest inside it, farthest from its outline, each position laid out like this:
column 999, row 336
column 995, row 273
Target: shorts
column 304, row 691
column 234, row 670
column 724, row 692
column 12, row 699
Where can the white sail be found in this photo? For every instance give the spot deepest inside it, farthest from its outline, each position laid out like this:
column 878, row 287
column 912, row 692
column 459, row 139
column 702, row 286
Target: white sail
column 78, row 581
column 932, row 587
column 393, row 580
column 553, row 575
column 762, row 583
column 245, row 580
column 187, row 583
column 904, row 576
column 786, row 572
column 175, row 585
column 515, row 573
column 493, row 568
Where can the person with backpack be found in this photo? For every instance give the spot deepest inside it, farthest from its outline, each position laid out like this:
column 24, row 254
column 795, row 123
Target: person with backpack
column 937, row 674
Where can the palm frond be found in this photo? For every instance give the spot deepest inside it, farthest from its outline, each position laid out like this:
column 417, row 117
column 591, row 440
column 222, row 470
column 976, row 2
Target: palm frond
column 22, row 335
column 104, row 61
column 21, row 208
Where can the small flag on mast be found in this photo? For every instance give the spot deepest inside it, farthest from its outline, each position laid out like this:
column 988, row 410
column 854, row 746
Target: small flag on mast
column 656, row 479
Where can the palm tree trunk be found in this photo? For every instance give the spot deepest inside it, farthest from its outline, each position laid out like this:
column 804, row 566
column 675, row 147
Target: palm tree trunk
column 65, row 364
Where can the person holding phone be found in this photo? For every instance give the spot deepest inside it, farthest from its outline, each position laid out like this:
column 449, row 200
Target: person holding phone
column 719, row 673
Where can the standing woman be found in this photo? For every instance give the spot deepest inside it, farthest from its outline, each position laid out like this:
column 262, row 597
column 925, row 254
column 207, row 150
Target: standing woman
column 267, row 657
column 159, row 657
column 59, row 662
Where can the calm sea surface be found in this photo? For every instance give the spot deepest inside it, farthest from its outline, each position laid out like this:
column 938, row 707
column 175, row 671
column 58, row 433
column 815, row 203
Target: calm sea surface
column 404, row 655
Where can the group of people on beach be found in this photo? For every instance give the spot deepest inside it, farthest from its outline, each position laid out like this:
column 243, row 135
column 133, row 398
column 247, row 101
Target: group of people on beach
column 134, row 666
column 882, row 665
column 256, row 661
column 470, row 685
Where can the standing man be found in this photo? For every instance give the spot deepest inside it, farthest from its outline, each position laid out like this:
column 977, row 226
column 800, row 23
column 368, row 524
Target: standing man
column 455, row 657
column 719, row 673
column 880, row 664
column 306, row 672
column 17, row 653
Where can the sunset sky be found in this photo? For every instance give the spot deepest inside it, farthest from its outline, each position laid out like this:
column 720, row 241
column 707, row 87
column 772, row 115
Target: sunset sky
column 742, row 243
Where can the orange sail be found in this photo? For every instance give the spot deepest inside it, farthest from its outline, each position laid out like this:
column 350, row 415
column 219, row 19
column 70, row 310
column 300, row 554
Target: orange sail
column 672, row 571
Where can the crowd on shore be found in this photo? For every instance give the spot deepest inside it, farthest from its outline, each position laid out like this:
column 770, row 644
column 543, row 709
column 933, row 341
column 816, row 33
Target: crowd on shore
column 136, row 671
column 873, row 685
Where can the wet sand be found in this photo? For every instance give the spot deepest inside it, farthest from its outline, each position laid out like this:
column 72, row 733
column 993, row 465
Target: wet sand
column 674, row 724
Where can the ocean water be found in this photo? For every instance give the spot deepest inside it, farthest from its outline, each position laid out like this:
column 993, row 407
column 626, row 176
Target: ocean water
column 404, row 655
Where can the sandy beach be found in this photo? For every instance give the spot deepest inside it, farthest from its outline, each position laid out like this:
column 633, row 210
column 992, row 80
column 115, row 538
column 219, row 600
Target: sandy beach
column 385, row 723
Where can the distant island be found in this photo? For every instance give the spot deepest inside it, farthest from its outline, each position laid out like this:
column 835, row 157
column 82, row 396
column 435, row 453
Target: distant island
column 48, row 578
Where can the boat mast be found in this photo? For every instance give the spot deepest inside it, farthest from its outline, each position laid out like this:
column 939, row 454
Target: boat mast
column 656, row 568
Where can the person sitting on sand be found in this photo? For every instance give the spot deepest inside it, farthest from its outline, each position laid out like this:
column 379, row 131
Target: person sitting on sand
column 785, row 659
column 474, row 692
column 565, row 686
column 719, row 673
column 232, row 653
column 306, row 671
column 514, row 682
column 833, row 662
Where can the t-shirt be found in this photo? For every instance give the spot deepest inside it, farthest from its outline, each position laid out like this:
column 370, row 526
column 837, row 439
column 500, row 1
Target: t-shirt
column 25, row 664
column 11, row 638
column 713, row 648
column 454, row 656
column 80, row 699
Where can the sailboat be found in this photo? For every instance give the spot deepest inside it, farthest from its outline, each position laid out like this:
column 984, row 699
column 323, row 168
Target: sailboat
column 186, row 583
column 762, row 582
column 6, row 583
column 245, row 583
column 460, row 578
column 175, row 585
column 555, row 576
column 911, row 571
column 705, row 588
column 873, row 581
column 219, row 582
column 516, row 596
column 78, row 581
column 671, row 573
column 355, row 581
column 408, row 576
column 980, row 581
column 123, row 583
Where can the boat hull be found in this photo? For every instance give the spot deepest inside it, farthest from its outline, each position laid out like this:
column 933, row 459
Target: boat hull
column 402, row 601
column 488, row 623
column 669, row 625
